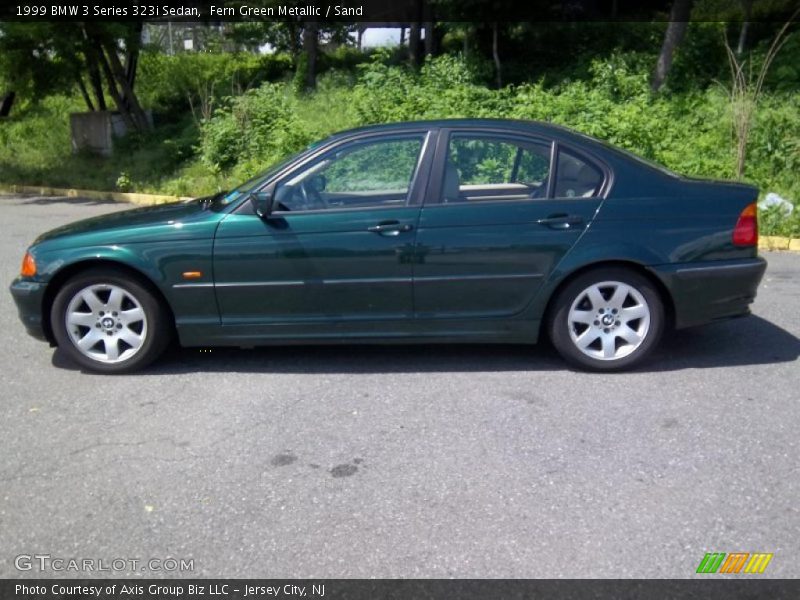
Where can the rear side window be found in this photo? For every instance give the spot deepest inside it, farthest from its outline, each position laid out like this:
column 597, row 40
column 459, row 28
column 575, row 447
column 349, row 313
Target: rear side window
column 482, row 167
column 576, row 177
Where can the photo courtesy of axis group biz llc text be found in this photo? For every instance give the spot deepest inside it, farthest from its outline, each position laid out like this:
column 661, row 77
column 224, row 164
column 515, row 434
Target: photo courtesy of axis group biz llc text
column 175, row 589
column 399, row 300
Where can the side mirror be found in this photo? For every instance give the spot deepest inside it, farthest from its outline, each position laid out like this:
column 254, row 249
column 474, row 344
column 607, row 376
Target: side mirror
column 262, row 203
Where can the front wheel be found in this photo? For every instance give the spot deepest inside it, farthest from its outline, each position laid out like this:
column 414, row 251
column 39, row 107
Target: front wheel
column 108, row 322
column 608, row 319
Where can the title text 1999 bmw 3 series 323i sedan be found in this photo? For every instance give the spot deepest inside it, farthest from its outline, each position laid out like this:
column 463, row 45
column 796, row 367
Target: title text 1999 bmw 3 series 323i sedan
column 445, row 231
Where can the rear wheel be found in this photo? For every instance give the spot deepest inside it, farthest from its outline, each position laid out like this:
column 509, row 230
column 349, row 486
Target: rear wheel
column 608, row 319
column 108, row 322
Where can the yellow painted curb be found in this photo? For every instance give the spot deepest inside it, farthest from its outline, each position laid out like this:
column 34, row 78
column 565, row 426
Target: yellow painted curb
column 794, row 245
column 773, row 242
column 131, row 198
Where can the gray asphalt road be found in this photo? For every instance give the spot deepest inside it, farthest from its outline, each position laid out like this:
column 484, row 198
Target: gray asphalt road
column 403, row 462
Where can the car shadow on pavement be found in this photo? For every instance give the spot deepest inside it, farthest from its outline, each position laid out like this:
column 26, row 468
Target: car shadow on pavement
column 738, row 342
column 748, row 341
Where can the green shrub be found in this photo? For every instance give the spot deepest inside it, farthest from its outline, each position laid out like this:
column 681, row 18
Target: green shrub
column 199, row 80
column 35, row 148
column 445, row 87
column 774, row 222
column 259, row 126
column 300, row 80
column 343, row 59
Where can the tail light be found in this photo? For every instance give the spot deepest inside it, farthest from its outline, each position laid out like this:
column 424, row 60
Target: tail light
column 28, row 266
column 746, row 231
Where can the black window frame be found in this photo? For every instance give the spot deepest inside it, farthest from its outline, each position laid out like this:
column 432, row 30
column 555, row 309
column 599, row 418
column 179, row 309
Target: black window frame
column 435, row 186
column 423, row 137
column 601, row 167
column 417, row 185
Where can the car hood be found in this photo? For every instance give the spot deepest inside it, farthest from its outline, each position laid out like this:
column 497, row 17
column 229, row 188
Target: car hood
column 165, row 222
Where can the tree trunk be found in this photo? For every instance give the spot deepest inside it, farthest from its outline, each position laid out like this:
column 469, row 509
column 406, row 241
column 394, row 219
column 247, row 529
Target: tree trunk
column 426, row 14
column 84, row 93
column 130, row 122
column 413, row 44
column 132, row 54
column 747, row 7
column 430, row 42
column 291, row 30
column 131, row 63
column 498, row 67
column 678, row 22
column 6, row 102
column 310, row 38
column 171, row 50
column 95, row 79
column 742, row 38
column 128, row 97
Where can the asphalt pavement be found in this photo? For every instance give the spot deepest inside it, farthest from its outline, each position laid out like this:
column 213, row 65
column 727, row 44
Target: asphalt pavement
column 414, row 461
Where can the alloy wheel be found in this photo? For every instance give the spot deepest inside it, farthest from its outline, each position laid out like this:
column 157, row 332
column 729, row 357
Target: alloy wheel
column 106, row 323
column 608, row 320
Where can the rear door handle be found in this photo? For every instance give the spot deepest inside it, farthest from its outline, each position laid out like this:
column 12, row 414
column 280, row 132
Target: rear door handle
column 561, row 221
column 390, row 228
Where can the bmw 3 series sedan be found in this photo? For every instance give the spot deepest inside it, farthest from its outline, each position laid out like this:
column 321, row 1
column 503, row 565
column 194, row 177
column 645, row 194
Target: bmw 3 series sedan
column 480, row 231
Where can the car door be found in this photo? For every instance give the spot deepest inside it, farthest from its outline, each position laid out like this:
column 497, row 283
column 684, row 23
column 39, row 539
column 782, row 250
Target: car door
column 502, row 210
column 337, row 246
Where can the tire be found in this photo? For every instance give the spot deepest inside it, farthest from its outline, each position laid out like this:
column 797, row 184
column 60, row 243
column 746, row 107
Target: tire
column 108, row 322
column 608, row 319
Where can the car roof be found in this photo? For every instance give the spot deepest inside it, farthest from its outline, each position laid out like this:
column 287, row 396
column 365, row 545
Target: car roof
column 518, row 124
column 603, row 149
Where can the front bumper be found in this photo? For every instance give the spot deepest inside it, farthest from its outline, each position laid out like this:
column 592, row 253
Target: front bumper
column 704, row 292
column 29, row 297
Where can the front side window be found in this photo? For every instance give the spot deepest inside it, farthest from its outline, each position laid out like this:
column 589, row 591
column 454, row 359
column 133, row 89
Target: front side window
column 485, row 168
column 576, row 177
column 375, row 173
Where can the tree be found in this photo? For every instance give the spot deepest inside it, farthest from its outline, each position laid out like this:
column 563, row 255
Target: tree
column 120, row 78
column 25, row 62
column 300, row 37
column 307, row 65
column 281, row 36
column 43, row 58
column 676, row 29
column 483, row 19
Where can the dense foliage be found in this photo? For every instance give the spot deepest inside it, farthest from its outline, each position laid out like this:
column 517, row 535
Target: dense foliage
column 223, row 117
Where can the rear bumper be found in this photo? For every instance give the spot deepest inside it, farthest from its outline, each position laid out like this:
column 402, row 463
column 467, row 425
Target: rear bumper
column 28, row 296
column 710, row 291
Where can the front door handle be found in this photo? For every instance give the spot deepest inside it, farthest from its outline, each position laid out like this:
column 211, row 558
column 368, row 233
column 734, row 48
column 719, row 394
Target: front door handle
column 390, row 228
column 561, row 221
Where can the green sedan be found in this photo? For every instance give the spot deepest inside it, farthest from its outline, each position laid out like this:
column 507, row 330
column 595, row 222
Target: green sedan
column 481, row 231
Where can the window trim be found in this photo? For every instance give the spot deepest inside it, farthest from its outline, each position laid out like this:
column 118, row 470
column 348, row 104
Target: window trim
column 436, row 179
column 443, row 149
column 605, row 172
column 421, row 170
